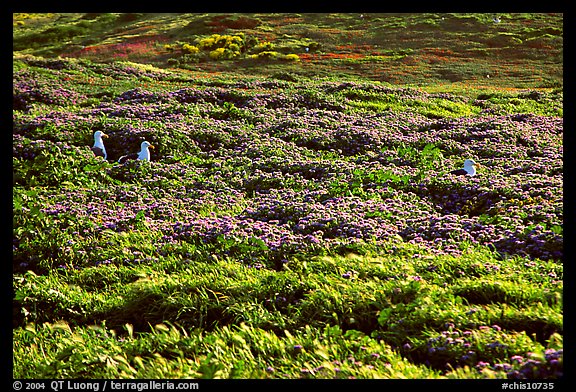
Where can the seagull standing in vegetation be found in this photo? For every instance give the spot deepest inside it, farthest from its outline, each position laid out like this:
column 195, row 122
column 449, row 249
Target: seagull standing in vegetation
column 468, row 170
column 143, row 155
column 98, row 148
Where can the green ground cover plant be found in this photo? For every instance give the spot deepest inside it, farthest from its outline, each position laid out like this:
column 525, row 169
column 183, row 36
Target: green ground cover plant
column 423, row 49
column 288, row 225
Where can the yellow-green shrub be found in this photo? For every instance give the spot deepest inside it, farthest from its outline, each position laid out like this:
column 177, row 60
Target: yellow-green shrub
column 292, row 57
column 217, row 53
column 190, row 49
column 223, row 54
column 271, row 55
column 216, row 41
column 263, row 47
column 265, row 55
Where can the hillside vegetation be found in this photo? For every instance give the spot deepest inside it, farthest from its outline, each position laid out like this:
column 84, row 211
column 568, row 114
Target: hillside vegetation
column 297, row 218
column 512, row 50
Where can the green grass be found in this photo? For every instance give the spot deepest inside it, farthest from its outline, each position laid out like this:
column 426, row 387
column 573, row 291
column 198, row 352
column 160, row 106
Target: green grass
column 96, row 297
column 249, row 319
column 425, row 48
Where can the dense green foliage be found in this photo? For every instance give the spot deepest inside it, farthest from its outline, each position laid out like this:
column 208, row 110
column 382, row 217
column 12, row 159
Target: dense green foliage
column 470, row 49
column 285, row 227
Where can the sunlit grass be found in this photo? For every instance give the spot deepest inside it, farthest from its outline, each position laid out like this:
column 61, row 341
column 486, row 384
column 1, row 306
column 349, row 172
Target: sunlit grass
column 297, row 222
column 404, row 303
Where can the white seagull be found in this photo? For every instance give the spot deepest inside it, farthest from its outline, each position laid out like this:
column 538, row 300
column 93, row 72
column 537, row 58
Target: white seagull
column 98, row 148
column 143, row 155
column 468, row 170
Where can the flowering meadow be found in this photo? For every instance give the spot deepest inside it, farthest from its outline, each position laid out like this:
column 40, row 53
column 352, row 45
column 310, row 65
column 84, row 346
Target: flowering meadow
column 283, row 228
column 476, row 49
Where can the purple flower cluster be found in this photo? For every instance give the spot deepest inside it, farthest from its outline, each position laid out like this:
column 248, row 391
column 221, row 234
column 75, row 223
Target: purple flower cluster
column 456, row 348
column 551, row 366
column 300, row 172
column 28, row 89
column 473, row 347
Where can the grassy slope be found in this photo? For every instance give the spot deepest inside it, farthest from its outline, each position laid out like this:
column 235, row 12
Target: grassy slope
column 523, row 50
column 187, row 311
